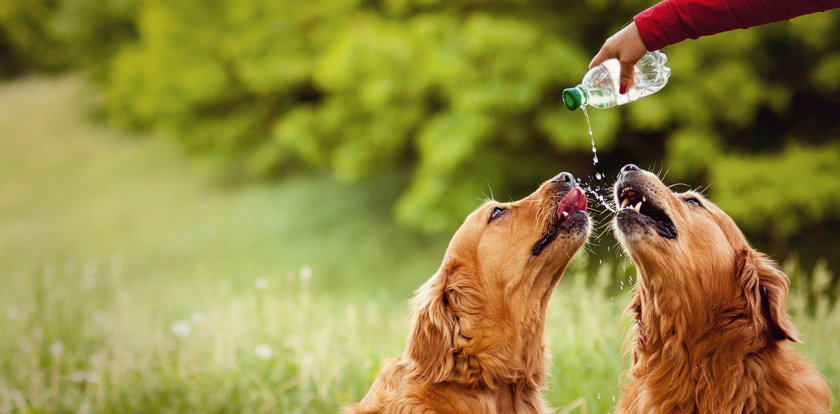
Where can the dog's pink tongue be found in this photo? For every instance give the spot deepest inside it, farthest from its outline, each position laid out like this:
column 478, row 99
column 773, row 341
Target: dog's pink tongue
column 574, row 201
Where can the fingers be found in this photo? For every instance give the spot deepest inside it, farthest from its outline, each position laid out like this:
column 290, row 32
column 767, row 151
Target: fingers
column 627, row 46
column 626, row 77
column 602, row 55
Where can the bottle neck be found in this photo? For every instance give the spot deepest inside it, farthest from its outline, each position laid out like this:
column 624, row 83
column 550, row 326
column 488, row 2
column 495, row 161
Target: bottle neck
column 584, row 95
column 575, row 98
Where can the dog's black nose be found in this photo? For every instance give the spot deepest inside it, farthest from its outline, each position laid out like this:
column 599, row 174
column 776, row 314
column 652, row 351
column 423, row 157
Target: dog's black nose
column 564, row 177
column 626, row 169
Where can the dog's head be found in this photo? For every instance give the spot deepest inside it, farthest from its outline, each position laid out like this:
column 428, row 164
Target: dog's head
column 473, row 317
column 687, row 242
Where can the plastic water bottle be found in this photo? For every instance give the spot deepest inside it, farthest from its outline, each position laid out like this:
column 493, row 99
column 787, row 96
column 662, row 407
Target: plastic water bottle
column 599, row 88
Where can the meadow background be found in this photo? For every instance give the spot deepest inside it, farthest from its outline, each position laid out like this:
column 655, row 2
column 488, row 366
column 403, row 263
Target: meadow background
column 224, row 206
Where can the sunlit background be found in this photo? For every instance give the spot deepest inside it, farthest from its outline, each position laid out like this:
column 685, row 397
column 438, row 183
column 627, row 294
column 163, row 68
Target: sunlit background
column 223, row 206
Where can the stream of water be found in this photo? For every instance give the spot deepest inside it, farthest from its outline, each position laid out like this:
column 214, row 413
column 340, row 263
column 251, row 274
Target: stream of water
column 595, row 187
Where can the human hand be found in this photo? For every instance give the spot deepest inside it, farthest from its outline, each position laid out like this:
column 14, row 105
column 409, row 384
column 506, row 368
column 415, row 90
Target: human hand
column 627, row 46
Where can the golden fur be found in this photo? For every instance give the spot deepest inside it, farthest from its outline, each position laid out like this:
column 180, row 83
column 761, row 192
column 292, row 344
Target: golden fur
column 711, row 327
column 476, row 342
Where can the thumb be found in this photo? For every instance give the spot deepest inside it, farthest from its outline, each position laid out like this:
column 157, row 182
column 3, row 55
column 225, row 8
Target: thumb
column 626, row 77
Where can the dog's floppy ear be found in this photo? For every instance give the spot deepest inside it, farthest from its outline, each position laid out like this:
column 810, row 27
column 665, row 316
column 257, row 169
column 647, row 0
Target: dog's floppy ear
column 430, row 344
column 766, row 288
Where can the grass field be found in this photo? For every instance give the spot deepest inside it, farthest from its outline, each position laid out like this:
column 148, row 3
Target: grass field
column 136, row 279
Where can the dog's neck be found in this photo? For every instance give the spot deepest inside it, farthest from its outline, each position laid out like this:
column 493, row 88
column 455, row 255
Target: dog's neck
column 513, row 354
column 514, row 390
column 508, row 398
column 672, row 308
column 681, row 333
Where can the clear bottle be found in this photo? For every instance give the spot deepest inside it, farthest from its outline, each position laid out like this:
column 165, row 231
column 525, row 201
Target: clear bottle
column 599, row 87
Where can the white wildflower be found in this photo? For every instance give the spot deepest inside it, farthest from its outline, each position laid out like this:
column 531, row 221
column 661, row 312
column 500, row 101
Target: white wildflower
column 262, row 351
column 56, row 348
column 260, row 283
column 181, row 328
column 305, row 275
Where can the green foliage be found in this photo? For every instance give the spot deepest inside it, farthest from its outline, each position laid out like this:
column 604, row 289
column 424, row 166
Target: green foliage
column 93, row 30
column 339, row 86
column 465, row 96
column 50, row 35
column 805, row 192
column 27, row 40
column 462, row 96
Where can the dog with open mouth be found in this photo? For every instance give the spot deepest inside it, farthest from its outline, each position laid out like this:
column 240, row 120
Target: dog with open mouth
column 711, row 331
column 476, row 342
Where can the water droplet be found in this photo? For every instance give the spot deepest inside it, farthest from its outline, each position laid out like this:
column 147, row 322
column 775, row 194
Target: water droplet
column 598, row 176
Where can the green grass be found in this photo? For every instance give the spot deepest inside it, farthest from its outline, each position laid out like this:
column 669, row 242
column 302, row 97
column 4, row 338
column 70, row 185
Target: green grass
column 113, row 246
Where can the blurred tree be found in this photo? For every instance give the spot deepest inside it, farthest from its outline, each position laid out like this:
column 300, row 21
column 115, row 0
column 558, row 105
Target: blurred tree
column 467, row 94
column 94, row 30
column 51, row 35
column 27, row 38
column 464, row 96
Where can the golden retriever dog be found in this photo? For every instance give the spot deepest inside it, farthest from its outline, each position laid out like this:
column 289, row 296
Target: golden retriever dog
column 711, row 327
column 476, row 341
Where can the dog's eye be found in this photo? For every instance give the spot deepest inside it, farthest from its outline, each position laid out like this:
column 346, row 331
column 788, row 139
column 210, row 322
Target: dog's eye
column 693, row 201
column 497, row 211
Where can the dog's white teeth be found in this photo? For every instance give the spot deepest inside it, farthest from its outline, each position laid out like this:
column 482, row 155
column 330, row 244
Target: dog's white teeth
column 638, row 206
column 644, row 200
column 565, row 214
column 625, row 202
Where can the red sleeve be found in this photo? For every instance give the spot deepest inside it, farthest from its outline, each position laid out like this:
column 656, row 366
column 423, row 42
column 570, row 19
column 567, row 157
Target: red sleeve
column 672, row 21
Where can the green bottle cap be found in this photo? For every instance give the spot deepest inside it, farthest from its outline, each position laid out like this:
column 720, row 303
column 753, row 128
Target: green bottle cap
column 573, row 98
